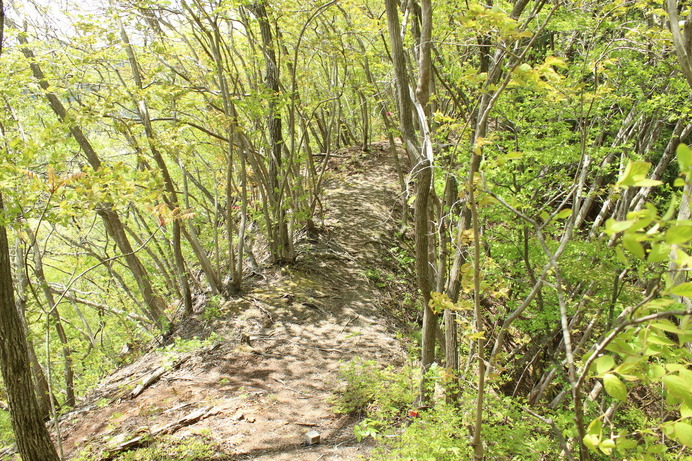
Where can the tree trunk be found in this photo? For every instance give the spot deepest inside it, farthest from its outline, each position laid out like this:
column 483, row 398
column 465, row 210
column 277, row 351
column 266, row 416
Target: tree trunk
column 172, row 199
column 401, row 79
column 42, row 390
column 53, row 312
column 281, row 244
column 110, row 218
column 31, row 435
column 423, row 183
column 33, row 440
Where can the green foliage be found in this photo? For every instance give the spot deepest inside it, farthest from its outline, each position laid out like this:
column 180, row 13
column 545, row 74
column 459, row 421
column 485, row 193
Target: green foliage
column 439, row 434
column 383, row 393
column 198, row 447
column 6, row 434
column 443, row 433
column 182, row 346
column 385, row 397
column 650, row 345
column 212, row 309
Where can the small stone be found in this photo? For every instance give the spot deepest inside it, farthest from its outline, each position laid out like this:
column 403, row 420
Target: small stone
column 239, row 416
column 312, row 438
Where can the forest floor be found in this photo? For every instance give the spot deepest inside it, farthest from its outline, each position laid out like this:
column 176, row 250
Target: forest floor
column 247, row 378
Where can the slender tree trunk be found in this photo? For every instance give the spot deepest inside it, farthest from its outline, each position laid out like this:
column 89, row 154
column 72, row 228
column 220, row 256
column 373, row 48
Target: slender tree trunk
column 422, row 169
column 42, row 389
column 114, row 226
column 401, row 79
column 423, row 182
column 477, row 441
column 31, row 435
column 57, row 321
column 282, row 246
column 449, row 317
column 172, row 200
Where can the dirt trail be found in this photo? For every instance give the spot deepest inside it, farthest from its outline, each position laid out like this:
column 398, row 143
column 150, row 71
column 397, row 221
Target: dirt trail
column 265, row 378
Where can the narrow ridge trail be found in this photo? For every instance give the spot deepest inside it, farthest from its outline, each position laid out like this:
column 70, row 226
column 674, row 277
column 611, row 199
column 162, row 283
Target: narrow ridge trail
column 267, row 362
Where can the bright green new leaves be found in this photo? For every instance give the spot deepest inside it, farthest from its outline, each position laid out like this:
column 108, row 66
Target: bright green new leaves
column 612, row 384
column 651, row 348
column 683, row 432
column 603, row 364
column 615, row 387
column 684, row 155
column 679, row 233
column 635, row 175
column 594, row 438
column 684, row 289
column 679, row 387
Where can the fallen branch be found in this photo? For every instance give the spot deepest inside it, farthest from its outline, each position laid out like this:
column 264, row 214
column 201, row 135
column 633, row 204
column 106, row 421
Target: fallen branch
column 290, row 388
column 155, row 376
column 142, row 438
column 148, row 381
column 186, row 420
column 347, row 323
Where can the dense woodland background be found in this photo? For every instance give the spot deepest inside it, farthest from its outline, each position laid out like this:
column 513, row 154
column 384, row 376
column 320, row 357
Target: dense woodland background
column 155, row 153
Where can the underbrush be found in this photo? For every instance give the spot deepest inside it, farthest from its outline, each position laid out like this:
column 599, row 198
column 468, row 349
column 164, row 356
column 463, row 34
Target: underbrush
column 196, row 448
column 386, row 398
column 6, row 434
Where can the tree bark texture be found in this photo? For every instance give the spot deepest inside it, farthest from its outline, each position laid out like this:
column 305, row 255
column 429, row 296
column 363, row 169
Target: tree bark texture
column 33, row 440
column 31, row 435
column 281, row 244
column 401, row 79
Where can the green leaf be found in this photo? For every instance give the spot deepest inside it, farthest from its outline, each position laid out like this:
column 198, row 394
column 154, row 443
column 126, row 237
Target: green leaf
column 613, row 227
column 684, row 154
column 679, row 233
column 524, row 68
column 684, row 289
column 634, row 173
column 614, row 387
column 620, row 346
column 667, row 325
column 655, row 371
column 630, row 368
column 554, row 61
column 513, row 155
column 595, row 427
column 630, row 242
column 647, row 183
column 683, row 432
column 679, row 387
column 591, row 441
column 661, row 339
column 607, row 446
column 669, row 212
column 624, row 443
column 564, row 213
column 593, row 436
column 686, row 410
column 603, row 364
column 659, row 252
column 660, row 304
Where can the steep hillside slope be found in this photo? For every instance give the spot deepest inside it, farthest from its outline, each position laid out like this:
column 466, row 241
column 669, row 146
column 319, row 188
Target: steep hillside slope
column 247, row 378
